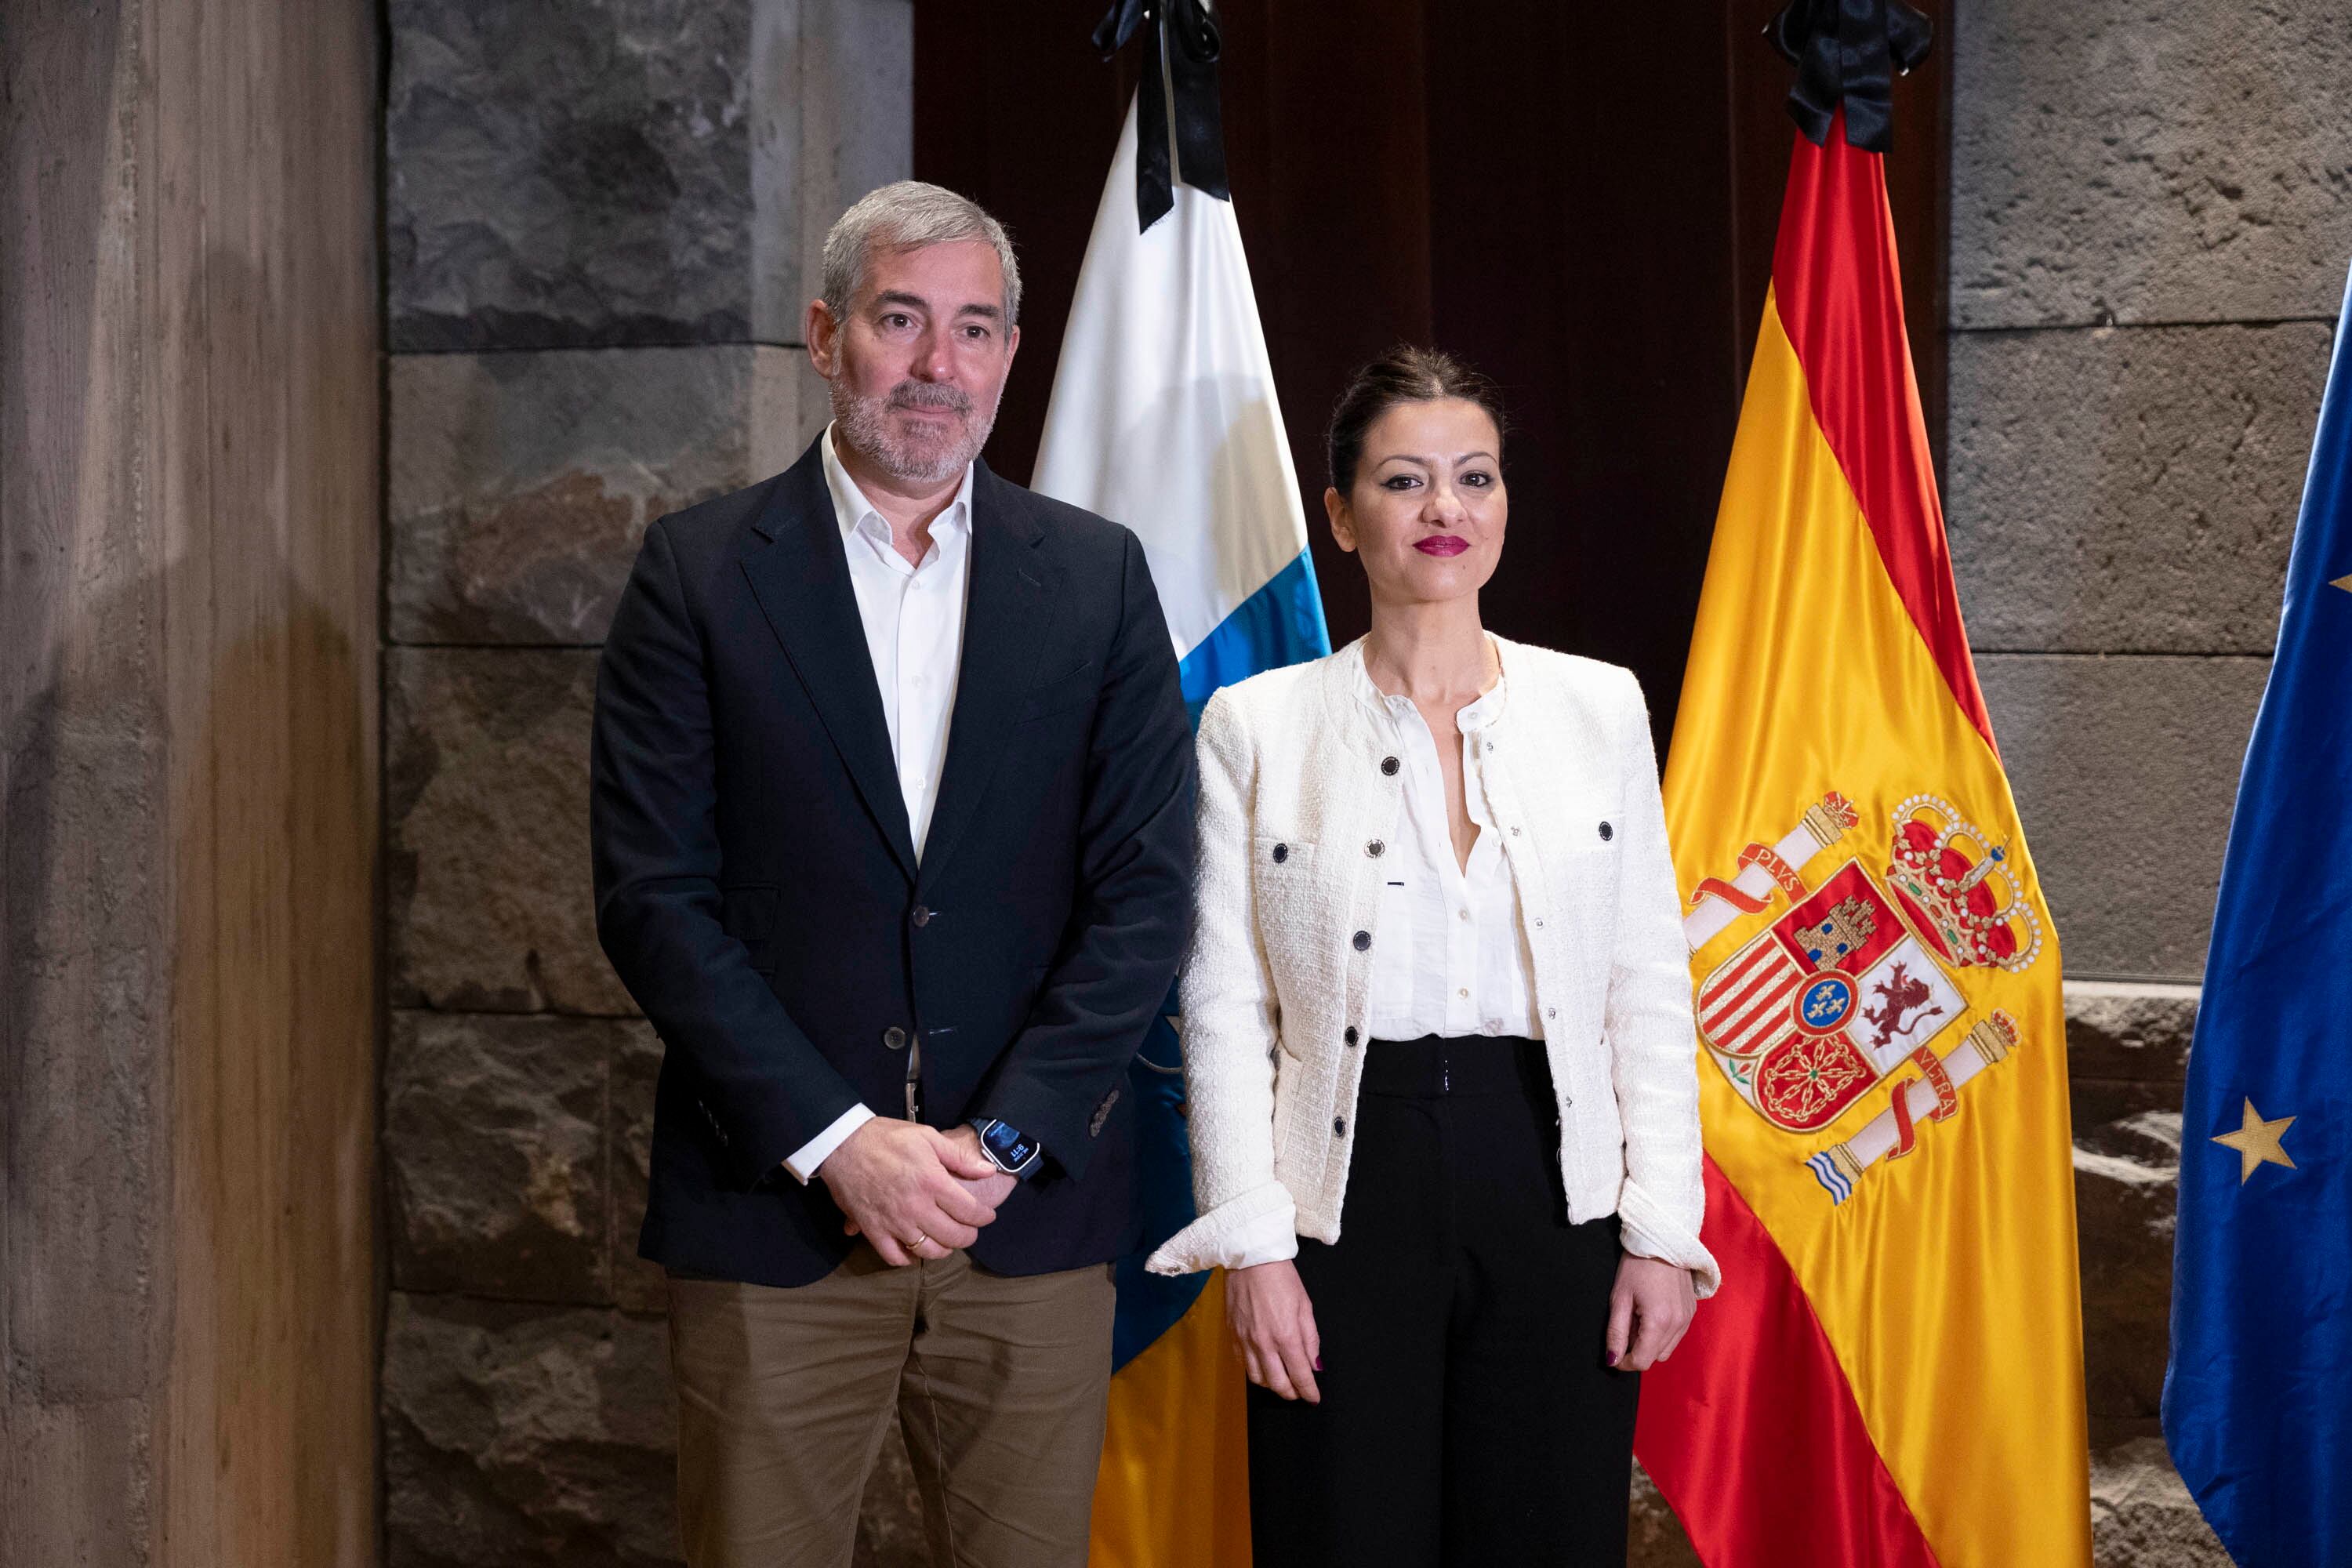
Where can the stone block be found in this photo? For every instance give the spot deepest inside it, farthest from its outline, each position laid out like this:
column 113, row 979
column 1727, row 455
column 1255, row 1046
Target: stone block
column 518, row 1436
column 1655, row 1537
column 502, row 1173
column 2141, row 1514
column 488, row 899
column 2129, row 490
column 2126, row 1166
column 2128, row 1055
column 630, row 171
column 2147, row 160
column 637, row 1285
column 2135, row 1032
column 2126, row 770
column 521, row 483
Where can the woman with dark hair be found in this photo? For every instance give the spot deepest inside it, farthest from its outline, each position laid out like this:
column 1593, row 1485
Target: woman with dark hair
column 1437, row 970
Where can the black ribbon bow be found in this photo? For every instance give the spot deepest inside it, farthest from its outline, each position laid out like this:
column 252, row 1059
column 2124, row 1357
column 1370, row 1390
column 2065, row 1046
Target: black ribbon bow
column 1848, row 51
column 1189, row 67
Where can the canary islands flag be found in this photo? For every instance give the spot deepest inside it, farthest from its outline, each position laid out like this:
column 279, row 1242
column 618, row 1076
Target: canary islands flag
column 1163, row 417
column 1892, row 1373
column 2258, row 1397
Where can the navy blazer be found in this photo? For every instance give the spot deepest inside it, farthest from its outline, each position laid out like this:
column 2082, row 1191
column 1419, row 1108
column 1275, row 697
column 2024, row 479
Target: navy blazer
column 757, row 889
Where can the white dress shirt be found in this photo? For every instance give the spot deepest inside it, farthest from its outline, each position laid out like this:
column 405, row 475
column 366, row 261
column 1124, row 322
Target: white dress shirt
column 1463, row 966
column 914, row 633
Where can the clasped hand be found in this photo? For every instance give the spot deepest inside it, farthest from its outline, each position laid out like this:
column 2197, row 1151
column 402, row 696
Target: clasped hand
column 913, row 1191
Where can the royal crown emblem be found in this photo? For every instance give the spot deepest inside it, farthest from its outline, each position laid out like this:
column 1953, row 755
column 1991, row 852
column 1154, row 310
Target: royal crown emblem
column 1853, row 983
column 1954, row 885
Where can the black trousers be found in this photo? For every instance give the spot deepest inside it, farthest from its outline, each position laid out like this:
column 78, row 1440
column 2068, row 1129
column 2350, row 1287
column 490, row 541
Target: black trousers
column 1468, row 1418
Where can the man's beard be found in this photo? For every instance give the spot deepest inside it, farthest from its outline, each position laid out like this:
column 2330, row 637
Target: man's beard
column 924, row 457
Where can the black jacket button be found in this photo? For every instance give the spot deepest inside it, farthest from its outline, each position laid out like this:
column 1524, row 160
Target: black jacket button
column 923, row 915
column 1363, row 942
column 1376, row 849
column 1339, row 1127
column 1350, row 1035
column 894, row 1038
column 1281, row 853
column 1607, row 833
column 1388, row 766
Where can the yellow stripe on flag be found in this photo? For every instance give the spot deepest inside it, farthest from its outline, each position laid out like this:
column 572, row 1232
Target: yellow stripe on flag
column 1173, row 1491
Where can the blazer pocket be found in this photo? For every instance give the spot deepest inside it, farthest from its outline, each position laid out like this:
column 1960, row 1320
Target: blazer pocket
column 747, row 913
column 1062, row 693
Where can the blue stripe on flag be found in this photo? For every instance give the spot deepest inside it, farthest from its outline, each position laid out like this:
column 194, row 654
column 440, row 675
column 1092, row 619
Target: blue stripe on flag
column 1825, row 1172
column 1280, row 624
column 1150, row 1304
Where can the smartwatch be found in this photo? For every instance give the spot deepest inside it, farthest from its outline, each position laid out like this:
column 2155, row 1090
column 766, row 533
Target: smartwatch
column 1006, row 1149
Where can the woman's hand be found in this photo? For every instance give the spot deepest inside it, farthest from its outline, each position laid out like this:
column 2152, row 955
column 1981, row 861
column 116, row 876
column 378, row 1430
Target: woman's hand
column 1649, row 1310
column 1273, row 1325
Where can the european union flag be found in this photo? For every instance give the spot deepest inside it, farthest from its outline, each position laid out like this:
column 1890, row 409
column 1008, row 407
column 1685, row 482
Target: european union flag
column 2258, row 1399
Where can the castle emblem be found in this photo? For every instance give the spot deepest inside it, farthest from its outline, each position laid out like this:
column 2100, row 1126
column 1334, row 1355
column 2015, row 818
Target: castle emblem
column 1859, row 980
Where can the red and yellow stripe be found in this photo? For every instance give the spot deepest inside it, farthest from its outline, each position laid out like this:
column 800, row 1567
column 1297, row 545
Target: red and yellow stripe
column 1898, row 1379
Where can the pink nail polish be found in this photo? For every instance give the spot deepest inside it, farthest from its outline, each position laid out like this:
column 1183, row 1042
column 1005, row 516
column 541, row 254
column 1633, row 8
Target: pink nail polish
column 1318, row 1364
column 1612, row 1358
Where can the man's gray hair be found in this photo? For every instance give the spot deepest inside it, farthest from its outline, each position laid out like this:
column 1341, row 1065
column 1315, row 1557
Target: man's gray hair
column 906, row 215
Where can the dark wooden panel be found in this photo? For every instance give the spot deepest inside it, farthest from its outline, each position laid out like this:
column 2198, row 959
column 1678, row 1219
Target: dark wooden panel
column 1335, row 203
column 1582, row 236
column 1015, row 109
column 1578, row 200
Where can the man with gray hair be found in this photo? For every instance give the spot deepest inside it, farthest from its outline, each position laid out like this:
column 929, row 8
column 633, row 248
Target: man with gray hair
column 892, row 806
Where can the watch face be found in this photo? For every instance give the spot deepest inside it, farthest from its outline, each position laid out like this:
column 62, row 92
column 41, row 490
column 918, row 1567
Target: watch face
column 1011, row 1150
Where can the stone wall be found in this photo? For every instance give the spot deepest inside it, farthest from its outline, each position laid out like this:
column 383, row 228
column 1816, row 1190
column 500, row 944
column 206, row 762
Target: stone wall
column 603, row 219
column 2150, row 234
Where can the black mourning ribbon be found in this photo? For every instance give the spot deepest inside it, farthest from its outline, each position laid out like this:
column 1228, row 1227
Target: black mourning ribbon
column 1190, row 67
column 1848, row 51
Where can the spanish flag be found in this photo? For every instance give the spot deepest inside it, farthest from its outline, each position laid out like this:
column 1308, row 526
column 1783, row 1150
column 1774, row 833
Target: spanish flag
column 1892, row 1373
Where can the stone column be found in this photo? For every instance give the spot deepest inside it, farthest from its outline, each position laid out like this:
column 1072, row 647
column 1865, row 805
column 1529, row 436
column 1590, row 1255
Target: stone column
column 2148, row 248
column 603, row 223
column 188, row 782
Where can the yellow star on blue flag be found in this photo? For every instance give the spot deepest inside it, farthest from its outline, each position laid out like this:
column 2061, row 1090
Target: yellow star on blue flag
column 2257, row 1142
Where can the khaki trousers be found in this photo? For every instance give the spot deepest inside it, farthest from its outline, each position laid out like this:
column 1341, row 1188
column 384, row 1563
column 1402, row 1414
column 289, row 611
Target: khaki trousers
column 998, row 1383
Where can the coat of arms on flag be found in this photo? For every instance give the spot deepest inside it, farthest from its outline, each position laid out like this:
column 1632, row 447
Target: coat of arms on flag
column 1861, row 977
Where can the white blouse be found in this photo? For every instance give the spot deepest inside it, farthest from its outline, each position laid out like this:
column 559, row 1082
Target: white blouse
column 1464, row 966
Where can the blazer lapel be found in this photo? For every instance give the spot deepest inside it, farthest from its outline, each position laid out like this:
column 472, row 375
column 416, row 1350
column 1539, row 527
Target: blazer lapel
column 800, row 575
column 1005, row 620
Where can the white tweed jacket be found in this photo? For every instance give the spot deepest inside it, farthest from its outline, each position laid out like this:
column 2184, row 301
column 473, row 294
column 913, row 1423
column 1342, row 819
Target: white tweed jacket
column 1298, row 801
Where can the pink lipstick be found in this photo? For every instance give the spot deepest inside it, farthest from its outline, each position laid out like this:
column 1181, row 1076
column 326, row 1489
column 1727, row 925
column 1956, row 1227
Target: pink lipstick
column 1442, row 545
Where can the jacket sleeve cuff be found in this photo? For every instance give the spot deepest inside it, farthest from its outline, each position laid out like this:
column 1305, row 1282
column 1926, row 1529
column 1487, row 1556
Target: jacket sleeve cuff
column 1259, row 1227
column 1647, row 1231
